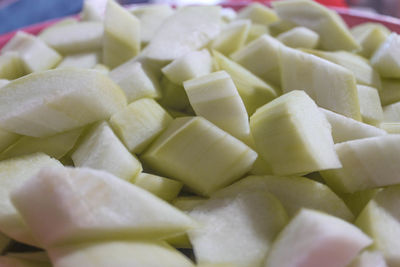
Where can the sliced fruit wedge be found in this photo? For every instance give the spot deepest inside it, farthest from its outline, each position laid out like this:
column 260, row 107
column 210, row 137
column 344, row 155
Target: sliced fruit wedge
column 11, row 66
column 81, row 60
column 390, row 91
column 386, row 58
column 258, row 13
column 232, row 37
column 370, row 36
column 299, row 37
column 370, row 105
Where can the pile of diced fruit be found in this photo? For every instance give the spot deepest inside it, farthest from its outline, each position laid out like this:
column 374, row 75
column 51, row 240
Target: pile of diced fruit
column 201, row 136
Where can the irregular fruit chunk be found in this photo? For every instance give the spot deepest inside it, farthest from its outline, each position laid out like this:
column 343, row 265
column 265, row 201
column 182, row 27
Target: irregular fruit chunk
column 255, row 31
column 11, row 66
column 258, row 13
column 173, row 95
column 369, row 259
column 299, row 37
column 82, row 60
column 370, row 105
column 390, row 91
column 162, row 187
column 391, row 113
column 7, row 139
column 232, row 37
column 370, row 36
column 386, row 59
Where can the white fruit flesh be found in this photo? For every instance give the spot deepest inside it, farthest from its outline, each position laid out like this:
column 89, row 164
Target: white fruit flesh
column 102, row 150
column 258, row 13
column 232, row 37
column 231, row 224
column 386, row 59
column 370, row 105
column 173, row 95
column 390, row 91
column 82, row 60
column 215, row 97
column 140, row 123
column 11, row 66
column 391, row 113
column 115, row 208
column 199, row 154
column 391, row 127
column 15, row 172
column 93, row 11
column 7, row 138
column 55, row 101
column 329, row 85
column 293, row 135
column 369, row 259
column 370, row 36
column 162, row 187
column 299, row 37
column 255, row 31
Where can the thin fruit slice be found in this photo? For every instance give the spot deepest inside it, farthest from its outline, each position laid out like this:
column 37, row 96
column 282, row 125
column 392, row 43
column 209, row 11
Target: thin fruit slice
column 315, row 239
column 331, row 86
column 70, row 199
column 390, row 91
column 162, row 187
column 46, row 103
column 346, row 129
column 386, row 59
column 370, row 36
column 232, row 37
column 11, row 66
column 121, row 40
column 367, row 163
column 102, row 150
column 140, row 123
column 332, row 30
column 299, row 37
column 81, row 60
column 370, row 105
column 199, row 154
column 13, row 173
column 293, row 135
column 119, row 253
column 232, row 223
column 258, row 13
column 215, row 97
column 369, row 259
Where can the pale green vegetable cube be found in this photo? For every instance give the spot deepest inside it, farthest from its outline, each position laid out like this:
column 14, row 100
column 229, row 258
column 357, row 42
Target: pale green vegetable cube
column 293, row 135
column 370, row 36
column 232, row 37
column 358, row 200
column 391, row 113
column 121, row 40
column 386, row 59
column 258, row 13
column 173, row 95
column 299, row 37
column 281, row 26
column 162, row 187
column 82, row 60
column 140, row 123
column 11, row 66
column 255, row 31
column 390, row 91
column 91, row 10
column 370, row 105
column 201, row 155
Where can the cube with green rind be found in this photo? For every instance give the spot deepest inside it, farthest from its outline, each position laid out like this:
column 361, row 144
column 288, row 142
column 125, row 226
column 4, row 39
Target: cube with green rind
column 367, row 163
column 232, row 37
column 370, row 35
column 56, row 146
column 215, row 97
column 192, row 65
column 261, row 57
column 358, row 200
column 386, row 59
column 85, row 60
column 255, row 31
column 253, row 91
column 13, row 174
column 258, row 13
column 314, row 239
column 380, row 220
column 390, row 91
column 299, row 37
column 370, row 105
column 121, row 40
column 201, row 155
column 136, row 81
column 293, row 135
column 346, row 129
column 332, row 30
column 116, row 209
column 162, row 187
column 73, row 98
column 331, row 86
column 35, row 55
column 9, row 261
column 11, row 66
column 102, row 150
column 75, row 37
column 391, row 113
column 369, row 258
column 140, row 123
column 173, row 95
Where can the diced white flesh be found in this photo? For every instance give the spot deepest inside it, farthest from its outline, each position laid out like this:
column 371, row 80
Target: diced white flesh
column 231, row 224
column 35, row 54
column 255, row 31
column 173, row 96
column 232, row 37
column 151, row 18
column 346, row 129
column 140, row 123
column 101, row 68
column 119, row 253
column 85, row 205
column 7, row 138
column 13, row 173
column 162, row 187
column 370, row 105
column 62, row 22
column 93, row 10
column 121, row 40
column 188, row 29
column 136, row 82
column 11, row 66
column 369, row 259
column 201, row 155
column 331, row 86
column 75, row 38
column 192, row 65
column 367, row 163
column 215, row 97
column 332, row 30
column 386, row 59
column 299, row 37
column 281, row 26
column 82, row 60
column 391, row 127
column 390, row 91
column 102, row 150
column 315, row 239
column 228, row 14
column 370, row 36
column 8, row 261
column 293, row 135
column 380, row 219
column 55, row 146
column 294, row 193
column 261, row 58
column 258, row 13
column 391, row 113
column 54, row 101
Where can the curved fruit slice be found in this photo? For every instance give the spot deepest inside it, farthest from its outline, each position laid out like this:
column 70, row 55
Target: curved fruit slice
column 293, row 135
column 13, row 173
column 299, row 37
column 54, row 101
column 162, row 187
column 85, row 60
column 386, row 58
column 102, row 150
column 369, row 259
column 11, row 66
column 232, row 37
column 370, row 36
column 85, row 204
column 332, row 30
column 198, row 153
column 230, row 224
column 370, row 105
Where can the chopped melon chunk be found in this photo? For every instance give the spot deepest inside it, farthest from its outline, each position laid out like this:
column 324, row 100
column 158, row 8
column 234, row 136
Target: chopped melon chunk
column 173, row 95
column 258, row 13
column 391, row 127
column 255, row 31
column 232, row 37
column 391, row 113
column 162, row 187
column 91, row 10
column 82, row 60
column 299, row 37
column 370, row 105
column 370, row 36
column 386, row 59
column 390, row 91
column 358, row 200
column 281, row 26
column 11, row 66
